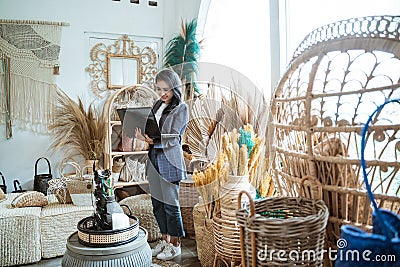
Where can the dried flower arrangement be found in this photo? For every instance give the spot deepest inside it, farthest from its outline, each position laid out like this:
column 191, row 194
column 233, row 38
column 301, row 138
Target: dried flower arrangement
column 240, row 156
column 76, row 131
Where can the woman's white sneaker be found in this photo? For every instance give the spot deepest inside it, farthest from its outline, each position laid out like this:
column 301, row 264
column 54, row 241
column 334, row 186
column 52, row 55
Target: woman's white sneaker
column 169, row 252
column 158, row 248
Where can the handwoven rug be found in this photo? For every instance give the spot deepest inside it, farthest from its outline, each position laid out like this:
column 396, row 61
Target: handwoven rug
column 157, row 262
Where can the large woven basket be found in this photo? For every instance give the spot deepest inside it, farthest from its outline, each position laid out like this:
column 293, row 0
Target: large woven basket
column 337, row 76
column 203, row 227
column 273, row 230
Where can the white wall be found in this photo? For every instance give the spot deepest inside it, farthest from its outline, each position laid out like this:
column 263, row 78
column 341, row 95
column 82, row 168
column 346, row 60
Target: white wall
column 18, row 155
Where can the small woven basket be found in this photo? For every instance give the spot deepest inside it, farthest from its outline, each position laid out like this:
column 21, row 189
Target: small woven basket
column 142, row 207
column 79, row 187
column 188, row 194
column 292, row 226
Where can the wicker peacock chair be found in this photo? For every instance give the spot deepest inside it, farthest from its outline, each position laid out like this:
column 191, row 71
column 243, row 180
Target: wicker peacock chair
column 338, row 75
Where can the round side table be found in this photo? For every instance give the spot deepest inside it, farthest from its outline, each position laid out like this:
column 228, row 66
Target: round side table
column 135, row 253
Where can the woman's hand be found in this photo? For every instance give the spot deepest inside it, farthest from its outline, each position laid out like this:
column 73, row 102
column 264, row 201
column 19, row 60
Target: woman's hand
column 140, row 136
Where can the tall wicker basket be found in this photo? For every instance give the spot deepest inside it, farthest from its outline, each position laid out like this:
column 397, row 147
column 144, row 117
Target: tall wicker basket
column 338, row 74
column 203, row 227
column 282, row 231
column 188, row 198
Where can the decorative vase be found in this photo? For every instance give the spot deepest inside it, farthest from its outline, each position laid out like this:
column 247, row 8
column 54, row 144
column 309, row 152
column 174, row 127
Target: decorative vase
column 229, row 193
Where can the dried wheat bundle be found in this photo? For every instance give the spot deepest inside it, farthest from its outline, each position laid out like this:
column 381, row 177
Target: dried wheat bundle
column 207, row 182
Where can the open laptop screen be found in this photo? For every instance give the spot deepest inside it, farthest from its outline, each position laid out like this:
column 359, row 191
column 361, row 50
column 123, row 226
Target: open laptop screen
column 142, row 118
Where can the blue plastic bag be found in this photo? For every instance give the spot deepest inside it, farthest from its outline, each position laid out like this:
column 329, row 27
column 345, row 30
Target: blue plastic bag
column 381, row 247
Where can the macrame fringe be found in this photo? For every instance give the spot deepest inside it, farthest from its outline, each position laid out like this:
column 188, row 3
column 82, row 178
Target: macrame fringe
column 32, row 104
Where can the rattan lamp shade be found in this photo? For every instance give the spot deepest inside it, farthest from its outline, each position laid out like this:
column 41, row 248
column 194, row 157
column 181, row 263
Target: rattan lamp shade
column 338, row 75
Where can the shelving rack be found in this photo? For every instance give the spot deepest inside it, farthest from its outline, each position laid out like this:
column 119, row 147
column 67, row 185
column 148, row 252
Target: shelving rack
column 129, row 96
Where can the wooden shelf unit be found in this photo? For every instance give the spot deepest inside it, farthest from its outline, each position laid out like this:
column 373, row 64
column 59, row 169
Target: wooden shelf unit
column 128, row 96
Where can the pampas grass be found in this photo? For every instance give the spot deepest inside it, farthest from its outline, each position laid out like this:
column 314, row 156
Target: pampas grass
column 76, row 131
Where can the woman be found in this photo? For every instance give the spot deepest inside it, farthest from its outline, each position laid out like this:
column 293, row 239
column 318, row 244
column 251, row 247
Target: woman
column 168, row 165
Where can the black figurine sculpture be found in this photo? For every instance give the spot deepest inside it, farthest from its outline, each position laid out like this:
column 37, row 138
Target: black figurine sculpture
column 105, row 201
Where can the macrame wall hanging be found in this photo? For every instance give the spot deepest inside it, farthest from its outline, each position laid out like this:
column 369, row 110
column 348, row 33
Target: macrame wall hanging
column 29, row 52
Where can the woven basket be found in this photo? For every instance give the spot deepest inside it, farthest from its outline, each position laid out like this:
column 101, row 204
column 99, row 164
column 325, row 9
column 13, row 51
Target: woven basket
column 30, row 199
column 188, row 198
column 188, row 194
column 338, row 74
column 294, row 226
column 141, row 206
column 80, row 187
column 204, row 236
column 226, row 241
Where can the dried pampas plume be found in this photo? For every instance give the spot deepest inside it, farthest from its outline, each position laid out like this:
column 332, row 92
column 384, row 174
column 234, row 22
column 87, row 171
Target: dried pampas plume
column 76, row 131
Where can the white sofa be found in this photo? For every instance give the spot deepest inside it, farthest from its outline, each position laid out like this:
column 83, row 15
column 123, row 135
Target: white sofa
column 29, row 234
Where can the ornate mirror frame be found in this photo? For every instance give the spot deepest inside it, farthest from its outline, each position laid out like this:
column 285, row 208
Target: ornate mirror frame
column 101, row 56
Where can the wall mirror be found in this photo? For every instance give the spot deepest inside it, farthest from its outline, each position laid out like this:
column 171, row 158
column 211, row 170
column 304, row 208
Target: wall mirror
column 122, row 71
column 118, row 63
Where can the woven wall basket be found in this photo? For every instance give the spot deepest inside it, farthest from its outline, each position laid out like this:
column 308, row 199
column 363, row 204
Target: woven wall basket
column 337, row 76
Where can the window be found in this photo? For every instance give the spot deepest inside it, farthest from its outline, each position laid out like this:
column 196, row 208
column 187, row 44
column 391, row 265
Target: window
column 236, row 34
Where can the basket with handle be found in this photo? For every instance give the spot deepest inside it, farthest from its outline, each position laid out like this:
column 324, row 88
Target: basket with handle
column 384, row 241
column 79, row 187
column 17, row 187
column 3, row 186
column 58, row 186
column 41, row 180
column 290, row 225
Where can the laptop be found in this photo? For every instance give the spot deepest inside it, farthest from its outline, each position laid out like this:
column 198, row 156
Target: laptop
column 140, row 117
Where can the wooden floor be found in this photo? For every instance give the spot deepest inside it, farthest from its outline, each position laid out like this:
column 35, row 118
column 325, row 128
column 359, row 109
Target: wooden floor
column 186, row 259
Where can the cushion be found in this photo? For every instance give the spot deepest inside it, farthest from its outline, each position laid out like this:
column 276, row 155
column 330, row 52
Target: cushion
column 30, row 199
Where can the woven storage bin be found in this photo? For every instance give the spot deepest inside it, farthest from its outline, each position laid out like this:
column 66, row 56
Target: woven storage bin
column 293, row 225
column 203, row 227
column 226, row 241
column 142, row 208
column 188, row 197
column 338, row 74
